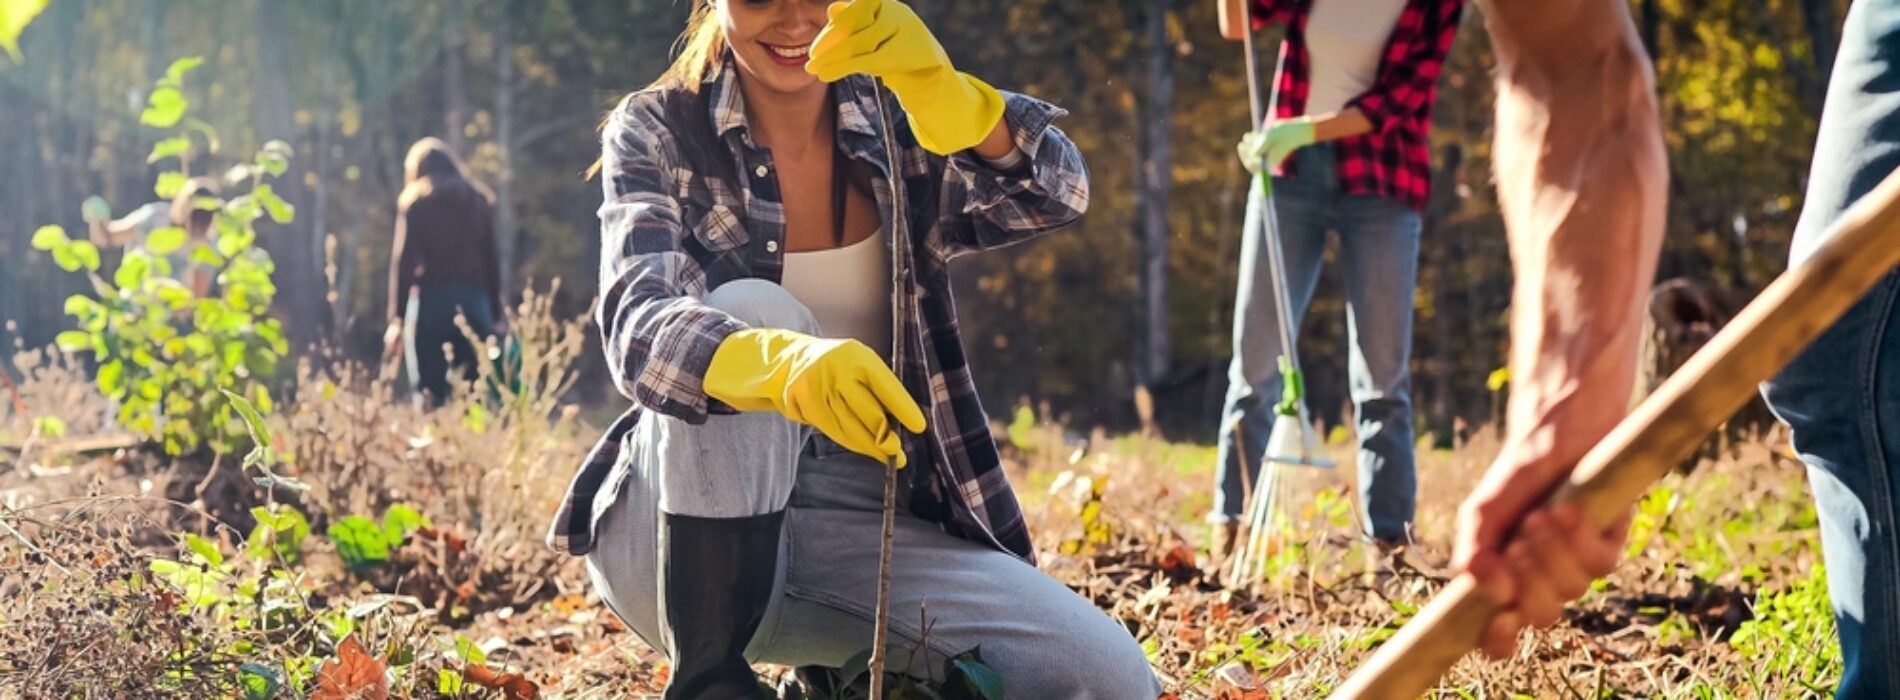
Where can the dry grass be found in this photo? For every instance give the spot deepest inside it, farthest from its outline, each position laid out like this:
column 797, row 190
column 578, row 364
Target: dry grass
column 1703, row 548
column 83, row 526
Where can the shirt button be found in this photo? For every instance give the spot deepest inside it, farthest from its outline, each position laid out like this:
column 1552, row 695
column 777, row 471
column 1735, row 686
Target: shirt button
column 771, row 246
column 759, row 171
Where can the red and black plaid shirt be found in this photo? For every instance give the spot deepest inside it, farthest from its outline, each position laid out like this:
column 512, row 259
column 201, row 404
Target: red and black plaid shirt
column 1393, row 160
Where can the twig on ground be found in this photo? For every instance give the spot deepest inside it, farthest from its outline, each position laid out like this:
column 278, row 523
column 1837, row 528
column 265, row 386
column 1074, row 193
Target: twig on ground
column 34, row 547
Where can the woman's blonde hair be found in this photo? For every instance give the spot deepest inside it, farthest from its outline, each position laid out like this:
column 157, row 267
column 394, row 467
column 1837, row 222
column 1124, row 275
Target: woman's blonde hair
column 430, row 165
column 698, row 49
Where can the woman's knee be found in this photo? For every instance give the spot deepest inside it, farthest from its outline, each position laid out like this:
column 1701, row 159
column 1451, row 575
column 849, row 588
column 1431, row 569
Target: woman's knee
column 762, row 304
column 1110, row 667
column 1081, row 652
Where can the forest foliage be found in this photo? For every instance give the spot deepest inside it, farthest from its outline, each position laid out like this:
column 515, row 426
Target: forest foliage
column 1156, row 100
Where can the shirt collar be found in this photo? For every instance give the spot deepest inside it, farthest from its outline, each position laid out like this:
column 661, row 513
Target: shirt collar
column 854, row 96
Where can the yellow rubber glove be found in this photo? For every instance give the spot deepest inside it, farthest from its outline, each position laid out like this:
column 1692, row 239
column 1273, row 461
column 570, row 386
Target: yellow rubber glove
column 949, row 111
column 840, row 387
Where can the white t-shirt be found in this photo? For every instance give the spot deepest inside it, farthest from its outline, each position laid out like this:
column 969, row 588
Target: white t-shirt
column 847, row 289
column 1344, row 39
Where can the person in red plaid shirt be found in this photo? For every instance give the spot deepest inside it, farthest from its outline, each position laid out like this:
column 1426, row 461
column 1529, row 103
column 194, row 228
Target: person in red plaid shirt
column 1348, row 150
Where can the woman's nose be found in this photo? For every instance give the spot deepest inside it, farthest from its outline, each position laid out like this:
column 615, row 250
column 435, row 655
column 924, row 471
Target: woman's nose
column 800, row 16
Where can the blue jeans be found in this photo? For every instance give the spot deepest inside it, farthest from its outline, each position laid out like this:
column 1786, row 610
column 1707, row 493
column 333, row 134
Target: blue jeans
column 1841, row 396
column 1378, row 242
column 430, row 324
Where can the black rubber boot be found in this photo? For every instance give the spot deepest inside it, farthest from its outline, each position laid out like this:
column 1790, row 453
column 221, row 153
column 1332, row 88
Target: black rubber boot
column 717, row 581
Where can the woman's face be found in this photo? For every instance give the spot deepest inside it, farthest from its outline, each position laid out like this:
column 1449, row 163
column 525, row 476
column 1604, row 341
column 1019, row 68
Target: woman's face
column 772, row 38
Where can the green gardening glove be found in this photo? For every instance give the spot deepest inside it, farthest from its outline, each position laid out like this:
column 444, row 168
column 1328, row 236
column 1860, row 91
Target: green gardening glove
column 1278, row 141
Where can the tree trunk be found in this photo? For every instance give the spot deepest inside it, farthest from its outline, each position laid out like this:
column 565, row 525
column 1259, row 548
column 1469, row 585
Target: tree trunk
column 1819, row 19
column 296, row 248
column 1155, row 178
column 1651, row 28
column 454, row 88
column 504, row 135
column 336, row 297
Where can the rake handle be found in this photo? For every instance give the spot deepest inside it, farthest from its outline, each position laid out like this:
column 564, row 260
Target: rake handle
column 1710, row 387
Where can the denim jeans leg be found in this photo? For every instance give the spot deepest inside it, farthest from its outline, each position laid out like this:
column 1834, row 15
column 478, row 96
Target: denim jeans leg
column 1378, row 243
column 1253, row 377
column 1841, row 396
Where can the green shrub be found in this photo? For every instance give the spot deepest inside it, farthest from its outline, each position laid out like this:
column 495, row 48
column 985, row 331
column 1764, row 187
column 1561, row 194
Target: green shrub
column 165, row 353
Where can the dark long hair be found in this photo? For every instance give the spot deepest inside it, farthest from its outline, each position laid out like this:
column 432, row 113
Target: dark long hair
column 432, row 166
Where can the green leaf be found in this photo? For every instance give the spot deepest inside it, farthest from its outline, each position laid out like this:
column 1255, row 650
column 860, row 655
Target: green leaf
column 853, row 668
column 165, row 240
column 448, row 682
column 204, row 548
column 238, row 239
column 64, row 257
column 167, row 105
column 87, row 254
column 274, row 157
column 203, row 254
column 73, row 341
column 50, row 236
column 280, row 532
column 14, row 16
column 112, row 378
column 470, row 652
column 166, row 567
column 232, row 354
column 244, row 208
column 260, row 682
column 133, row 270
column 402, row 520
column 981, row 680
column 279, row 210
column 171, row 292
column 359, row 542
column 476, row 418
column 174, row 146
column 50, row 426
column 169, row 184
column 253, row 421
column 175, row 73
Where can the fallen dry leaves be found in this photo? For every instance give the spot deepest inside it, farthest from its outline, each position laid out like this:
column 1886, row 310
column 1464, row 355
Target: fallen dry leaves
column 352, row 675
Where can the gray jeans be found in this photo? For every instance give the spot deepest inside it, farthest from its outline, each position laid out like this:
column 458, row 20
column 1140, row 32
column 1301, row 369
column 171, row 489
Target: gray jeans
column 1046, row 641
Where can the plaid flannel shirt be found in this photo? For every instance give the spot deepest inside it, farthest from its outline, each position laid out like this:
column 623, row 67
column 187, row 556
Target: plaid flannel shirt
column 1393, row 160
column 670, row 234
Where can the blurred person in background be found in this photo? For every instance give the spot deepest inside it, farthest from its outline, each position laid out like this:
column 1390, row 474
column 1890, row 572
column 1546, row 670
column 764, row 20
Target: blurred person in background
column 444, row 263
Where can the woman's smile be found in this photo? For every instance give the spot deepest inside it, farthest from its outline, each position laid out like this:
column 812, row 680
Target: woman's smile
column 788, row 56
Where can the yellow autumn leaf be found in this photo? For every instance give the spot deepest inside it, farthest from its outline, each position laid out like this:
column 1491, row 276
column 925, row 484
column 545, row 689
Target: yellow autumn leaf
column 14, row 16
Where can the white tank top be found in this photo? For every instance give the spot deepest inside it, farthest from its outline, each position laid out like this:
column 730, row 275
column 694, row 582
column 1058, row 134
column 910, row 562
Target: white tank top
column 847, row 289
column 1344, row 39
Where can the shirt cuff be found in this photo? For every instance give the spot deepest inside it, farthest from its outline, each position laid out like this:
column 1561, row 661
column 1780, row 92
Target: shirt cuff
column 988, row 182
column 1011, row 162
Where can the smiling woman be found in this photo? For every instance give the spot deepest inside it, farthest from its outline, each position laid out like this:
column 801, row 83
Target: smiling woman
column 781, row 346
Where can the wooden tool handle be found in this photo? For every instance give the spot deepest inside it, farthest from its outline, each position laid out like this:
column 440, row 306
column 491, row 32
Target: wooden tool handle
column 1710, row 387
